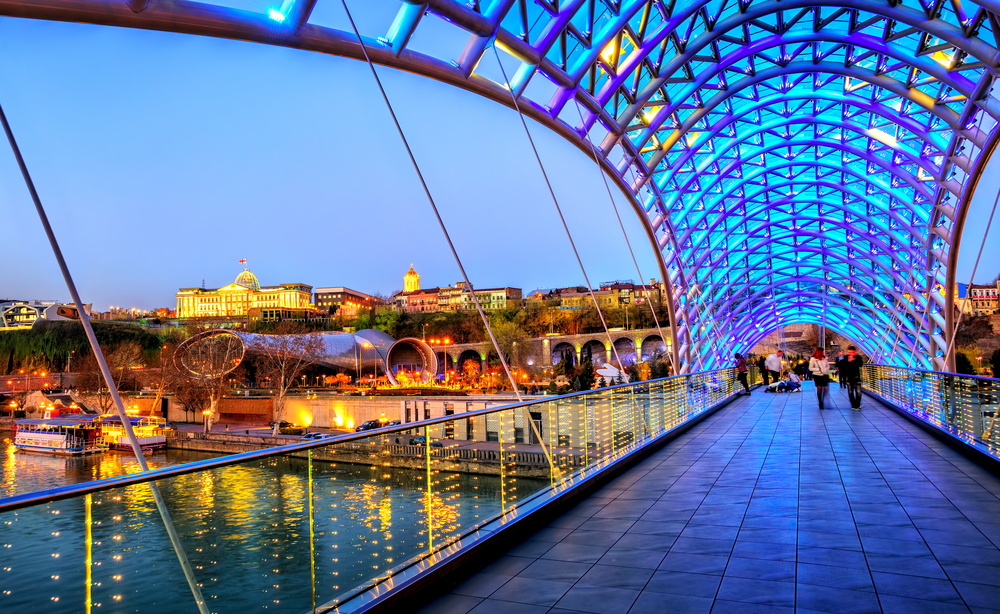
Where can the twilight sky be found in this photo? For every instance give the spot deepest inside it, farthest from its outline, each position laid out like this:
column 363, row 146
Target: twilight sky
column 163, row 159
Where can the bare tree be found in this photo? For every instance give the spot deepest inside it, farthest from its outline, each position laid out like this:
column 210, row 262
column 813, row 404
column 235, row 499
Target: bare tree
column 281, row 359
column 123, row 361
column 161, row 374
column 208, row 361
column 192, row 393
column 16, row 401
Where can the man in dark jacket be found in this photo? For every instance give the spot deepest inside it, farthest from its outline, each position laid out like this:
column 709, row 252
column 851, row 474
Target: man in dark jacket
column 850, row 372
column 840, row 362
column 763, row 371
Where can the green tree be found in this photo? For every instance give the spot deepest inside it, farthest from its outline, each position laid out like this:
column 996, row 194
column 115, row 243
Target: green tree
column 281, row 359
column 363, row 321
column 586, row 375
column 387, row 320
column 963, row 365
column 512, row 341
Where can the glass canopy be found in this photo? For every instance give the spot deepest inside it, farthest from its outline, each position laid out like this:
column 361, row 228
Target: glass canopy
column 792, row 160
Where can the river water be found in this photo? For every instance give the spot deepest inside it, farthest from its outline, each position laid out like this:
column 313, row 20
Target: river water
column 253, row 540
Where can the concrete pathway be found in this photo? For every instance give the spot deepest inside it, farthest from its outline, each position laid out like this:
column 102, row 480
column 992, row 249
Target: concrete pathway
column 770, row 505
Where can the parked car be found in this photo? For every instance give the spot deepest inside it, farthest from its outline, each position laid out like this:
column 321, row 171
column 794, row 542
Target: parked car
column 284, row 424
column 314, row 436
column 394, row 423
column 420, row 440
column 367, row 426
column 169, row 427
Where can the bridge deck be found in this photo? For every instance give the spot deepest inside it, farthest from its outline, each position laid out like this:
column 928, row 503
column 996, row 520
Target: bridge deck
column 768, row 506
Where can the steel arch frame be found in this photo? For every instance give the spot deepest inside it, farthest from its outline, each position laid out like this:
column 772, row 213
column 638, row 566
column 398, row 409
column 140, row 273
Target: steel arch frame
column 772, row 238
column 730, row 119
column 651, row 28
column 739, row 290
column 808, row 318
column 815, row 164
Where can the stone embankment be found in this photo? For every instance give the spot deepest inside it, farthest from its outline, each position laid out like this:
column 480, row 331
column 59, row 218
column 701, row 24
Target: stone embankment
column 479, row 458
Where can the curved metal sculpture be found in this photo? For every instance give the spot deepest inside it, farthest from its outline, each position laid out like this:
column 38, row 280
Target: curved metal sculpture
column 218, row 352
column 792, row 160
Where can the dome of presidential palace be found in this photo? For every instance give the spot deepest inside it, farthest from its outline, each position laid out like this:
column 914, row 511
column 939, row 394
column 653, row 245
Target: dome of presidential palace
column 248, row 280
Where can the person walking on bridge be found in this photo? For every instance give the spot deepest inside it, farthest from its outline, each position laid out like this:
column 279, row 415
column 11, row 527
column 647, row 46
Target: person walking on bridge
column 773, row 366
column 763, row 370
column 850, row 372
column 819, row 366
column 741, row 371
column 839, row 362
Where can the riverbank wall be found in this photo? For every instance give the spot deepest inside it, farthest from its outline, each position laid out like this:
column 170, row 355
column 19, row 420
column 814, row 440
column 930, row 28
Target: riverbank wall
column 466, row 459
column 338, row 411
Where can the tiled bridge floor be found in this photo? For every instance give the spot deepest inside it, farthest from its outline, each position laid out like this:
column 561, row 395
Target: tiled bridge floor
column 770, row 505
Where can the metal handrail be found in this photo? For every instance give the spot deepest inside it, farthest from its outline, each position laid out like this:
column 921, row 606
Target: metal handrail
column 935, row 373
column 61, row 493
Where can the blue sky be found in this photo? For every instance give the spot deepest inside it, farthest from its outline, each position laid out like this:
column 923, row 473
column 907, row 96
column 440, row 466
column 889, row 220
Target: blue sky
column 163, row 159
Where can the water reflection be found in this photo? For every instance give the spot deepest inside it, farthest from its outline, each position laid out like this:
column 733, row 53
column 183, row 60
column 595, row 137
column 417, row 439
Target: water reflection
column 25, row 472
column 246, row 529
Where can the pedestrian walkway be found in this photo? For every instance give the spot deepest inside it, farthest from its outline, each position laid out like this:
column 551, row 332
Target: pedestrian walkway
column 770, row 505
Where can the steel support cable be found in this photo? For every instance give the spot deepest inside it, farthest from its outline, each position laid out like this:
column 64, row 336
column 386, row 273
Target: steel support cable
column 607, row 187
column 712, row 340
column 930, row 337
column 447, row 236
column 517, row 107
column 102, row 363
column 961, row 312
column 897, row 321
column 883, row 341
column 631, row 169
column 430, row 199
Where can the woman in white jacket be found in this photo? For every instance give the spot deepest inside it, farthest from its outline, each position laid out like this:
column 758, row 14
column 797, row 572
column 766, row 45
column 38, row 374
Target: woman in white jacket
column 820, row 369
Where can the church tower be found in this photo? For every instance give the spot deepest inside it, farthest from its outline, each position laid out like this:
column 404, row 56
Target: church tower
column 411, row 281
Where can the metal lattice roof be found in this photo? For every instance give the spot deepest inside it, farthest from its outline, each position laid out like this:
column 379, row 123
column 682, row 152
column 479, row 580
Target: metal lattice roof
column 793, row 161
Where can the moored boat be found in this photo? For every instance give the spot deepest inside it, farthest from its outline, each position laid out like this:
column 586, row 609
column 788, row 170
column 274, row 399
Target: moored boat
column 73, row 434
column 148, row 430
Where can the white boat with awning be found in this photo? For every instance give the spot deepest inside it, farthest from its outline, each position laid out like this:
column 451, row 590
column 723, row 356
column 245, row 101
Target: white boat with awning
column 72, row 434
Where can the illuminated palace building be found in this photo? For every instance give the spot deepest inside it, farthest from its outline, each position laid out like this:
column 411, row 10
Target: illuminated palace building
column 413, row 299
column 244, row 298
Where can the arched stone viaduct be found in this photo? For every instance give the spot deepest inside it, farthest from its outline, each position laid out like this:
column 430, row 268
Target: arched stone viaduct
column 548, row 351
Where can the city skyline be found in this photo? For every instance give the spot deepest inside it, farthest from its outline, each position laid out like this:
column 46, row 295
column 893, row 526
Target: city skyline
column 162, row 184
column 145, row 206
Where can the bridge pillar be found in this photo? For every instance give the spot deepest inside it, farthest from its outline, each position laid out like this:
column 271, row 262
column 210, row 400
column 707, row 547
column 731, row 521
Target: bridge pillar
column 546, row 352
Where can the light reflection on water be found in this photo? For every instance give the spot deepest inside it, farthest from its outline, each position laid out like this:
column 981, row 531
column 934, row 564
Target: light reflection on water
column 27, row 472
column 245, row 529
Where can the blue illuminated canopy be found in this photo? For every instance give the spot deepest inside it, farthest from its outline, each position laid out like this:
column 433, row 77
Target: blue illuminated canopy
column 792, row 160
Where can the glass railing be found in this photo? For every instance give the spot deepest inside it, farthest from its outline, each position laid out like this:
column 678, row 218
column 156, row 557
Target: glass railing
column 963, row 405
column 315, row 526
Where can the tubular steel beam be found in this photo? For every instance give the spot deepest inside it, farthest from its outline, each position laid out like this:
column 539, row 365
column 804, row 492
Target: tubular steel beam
column 654, row 73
